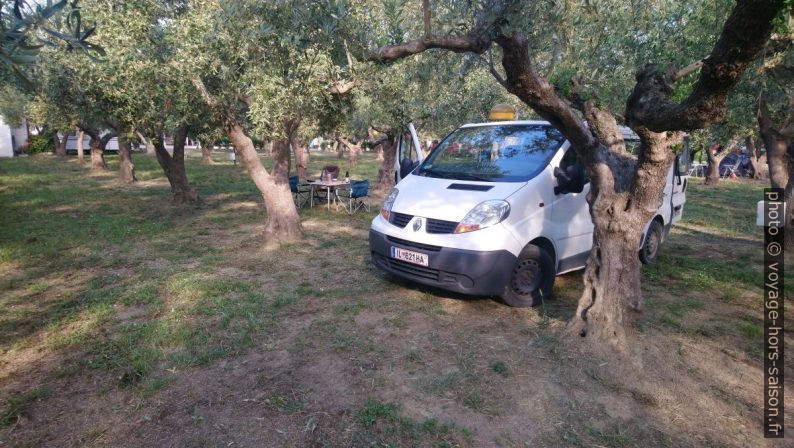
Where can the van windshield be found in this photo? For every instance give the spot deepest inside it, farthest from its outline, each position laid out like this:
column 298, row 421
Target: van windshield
column 508, row 153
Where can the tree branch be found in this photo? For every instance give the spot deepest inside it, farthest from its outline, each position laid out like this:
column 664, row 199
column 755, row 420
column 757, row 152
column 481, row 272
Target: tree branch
column 687, row 70
column 426, row 16
column 743, row 38
column 209, row 99
column 382, row 129
column 492, row 68
column 524, row 82
column 341, row 87
column 472, row 42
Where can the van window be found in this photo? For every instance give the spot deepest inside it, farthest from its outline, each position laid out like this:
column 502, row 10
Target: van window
column 509, row 153
column 572, row 158
column 406, row 147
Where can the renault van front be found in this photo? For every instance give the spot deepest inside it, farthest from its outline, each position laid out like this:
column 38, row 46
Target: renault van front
column 449, row 222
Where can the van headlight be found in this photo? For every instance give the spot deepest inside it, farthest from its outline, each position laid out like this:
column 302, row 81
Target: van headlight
column 485, row 214
column 385, row 210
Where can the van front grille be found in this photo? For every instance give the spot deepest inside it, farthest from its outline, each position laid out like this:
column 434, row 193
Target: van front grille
column 399, row 219
column 420, row 272
column 414, row 269
column 439, row 226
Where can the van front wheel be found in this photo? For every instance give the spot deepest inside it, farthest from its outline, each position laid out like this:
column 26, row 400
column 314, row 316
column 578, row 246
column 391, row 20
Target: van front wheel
column 650, row 247
column 532, row 279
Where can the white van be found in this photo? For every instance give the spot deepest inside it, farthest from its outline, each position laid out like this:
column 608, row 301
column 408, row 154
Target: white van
column 498, row 209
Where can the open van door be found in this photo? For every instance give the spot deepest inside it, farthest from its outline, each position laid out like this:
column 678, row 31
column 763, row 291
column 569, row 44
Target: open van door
column 409, row 154
column 680, row 178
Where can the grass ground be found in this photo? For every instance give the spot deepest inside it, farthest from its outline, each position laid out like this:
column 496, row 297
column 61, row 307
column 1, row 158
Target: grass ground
column 126, row 320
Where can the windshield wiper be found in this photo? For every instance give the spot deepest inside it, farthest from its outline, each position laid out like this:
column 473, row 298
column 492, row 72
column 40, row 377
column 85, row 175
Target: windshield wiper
column 474, row 177
column 434, row 173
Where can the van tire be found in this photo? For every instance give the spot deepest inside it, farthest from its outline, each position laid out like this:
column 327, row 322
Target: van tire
column 532, row 279
column 651, row 244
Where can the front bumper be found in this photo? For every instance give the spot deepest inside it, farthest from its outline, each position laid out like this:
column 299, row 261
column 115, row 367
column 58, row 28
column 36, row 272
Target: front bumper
column 481, row 273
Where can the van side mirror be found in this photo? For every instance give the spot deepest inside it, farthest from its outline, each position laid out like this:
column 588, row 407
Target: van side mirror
column 570, row 180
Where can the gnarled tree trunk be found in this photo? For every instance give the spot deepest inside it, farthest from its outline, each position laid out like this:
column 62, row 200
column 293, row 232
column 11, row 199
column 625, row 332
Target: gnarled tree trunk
column 780, row 157
column 715, row 155
column 206, row 153
column 282, row 156
column 174, row 166
column 301, row 159
column 126, row 168
column 61, row 138
column 97, row 148
column 386, row 169
column 283, row 222
column 758, row 166
column 379, row 153
column 80, row 148
column 354, row 151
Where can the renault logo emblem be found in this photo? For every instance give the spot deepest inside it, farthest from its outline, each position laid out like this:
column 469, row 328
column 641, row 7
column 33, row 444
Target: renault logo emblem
column 417, row 224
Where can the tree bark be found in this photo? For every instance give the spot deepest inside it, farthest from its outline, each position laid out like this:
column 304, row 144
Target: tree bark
column 174, row 166
column 758, row 166
column 79, row 143
column 97, row 148
column 780, row 158
column 426, row 18
column 386, row 169
column 379, row 153
column 354, row 151
column 282, row 156
column 206, row 153
column 301, row 159
column 126, row 168
column 283, row 222
column 715, row 156
column 61, row 138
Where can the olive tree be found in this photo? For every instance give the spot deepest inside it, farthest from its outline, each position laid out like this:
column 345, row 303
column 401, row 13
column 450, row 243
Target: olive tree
column 264, row 67
column 625, row 190
column 776, row 121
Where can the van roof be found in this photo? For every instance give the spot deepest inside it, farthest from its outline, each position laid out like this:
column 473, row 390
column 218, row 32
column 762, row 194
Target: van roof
column 628, row 134
column 503, row 123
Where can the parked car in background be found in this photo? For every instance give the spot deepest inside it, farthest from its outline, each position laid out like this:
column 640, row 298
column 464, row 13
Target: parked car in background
column 71, row 144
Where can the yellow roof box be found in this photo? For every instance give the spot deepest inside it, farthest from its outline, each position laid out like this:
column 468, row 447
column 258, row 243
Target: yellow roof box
column 502, row 112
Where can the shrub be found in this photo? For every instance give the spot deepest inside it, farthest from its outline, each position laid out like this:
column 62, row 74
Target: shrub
column 39, row 144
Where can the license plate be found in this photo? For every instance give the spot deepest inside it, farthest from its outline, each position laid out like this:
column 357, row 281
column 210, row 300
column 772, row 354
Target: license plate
column 409, row 256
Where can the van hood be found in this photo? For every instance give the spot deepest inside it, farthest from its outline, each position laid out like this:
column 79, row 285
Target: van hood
column 431, row 197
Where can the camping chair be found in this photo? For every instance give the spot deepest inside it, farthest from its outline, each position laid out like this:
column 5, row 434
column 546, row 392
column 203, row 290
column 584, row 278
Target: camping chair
column 300, row 193
column 733, row 170
column 355, row 197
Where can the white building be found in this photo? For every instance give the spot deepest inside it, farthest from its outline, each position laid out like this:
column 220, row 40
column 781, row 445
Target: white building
column 12, row 138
